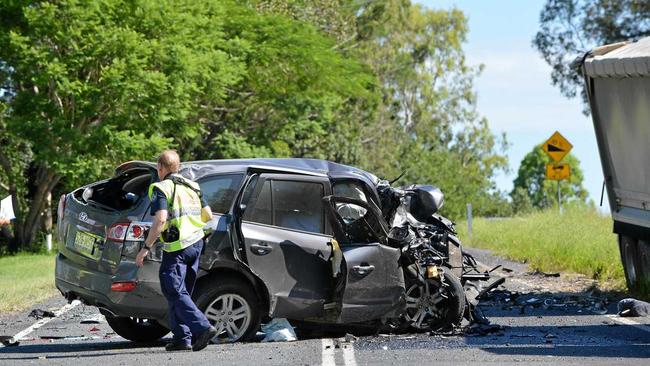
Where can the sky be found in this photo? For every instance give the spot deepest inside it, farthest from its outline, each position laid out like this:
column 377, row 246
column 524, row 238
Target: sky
column 515, row 92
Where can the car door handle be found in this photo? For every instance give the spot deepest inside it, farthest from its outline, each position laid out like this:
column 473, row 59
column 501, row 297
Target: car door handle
column 261, row 249
column 363, row 270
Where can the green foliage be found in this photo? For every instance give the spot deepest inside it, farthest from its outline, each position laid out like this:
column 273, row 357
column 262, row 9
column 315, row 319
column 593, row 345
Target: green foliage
column 384, row 85
column 570, row 28
column 521, row 202
column 25, row 279
column 95, row 83
column 579, row 240
column 531, row 181
column 427, row 123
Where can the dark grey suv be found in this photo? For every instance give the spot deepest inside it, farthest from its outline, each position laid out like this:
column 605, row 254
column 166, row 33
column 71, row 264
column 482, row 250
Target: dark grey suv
column 273, row 250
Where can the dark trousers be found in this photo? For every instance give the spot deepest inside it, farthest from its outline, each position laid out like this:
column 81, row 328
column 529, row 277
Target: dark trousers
column 177, row 278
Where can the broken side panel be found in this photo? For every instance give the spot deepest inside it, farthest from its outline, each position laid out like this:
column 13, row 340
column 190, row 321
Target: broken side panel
column 375, row 283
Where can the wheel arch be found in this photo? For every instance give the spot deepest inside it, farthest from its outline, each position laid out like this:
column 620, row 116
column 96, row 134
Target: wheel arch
column 238, row 272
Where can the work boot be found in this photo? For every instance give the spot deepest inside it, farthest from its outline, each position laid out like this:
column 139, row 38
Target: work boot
column 203, row 340
column 177, row 346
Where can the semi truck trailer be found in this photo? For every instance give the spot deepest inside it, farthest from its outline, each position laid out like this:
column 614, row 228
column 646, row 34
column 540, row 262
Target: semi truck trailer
column 617, row 80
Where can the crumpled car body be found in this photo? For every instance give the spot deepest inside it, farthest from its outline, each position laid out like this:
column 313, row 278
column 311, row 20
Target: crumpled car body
column 274, row 249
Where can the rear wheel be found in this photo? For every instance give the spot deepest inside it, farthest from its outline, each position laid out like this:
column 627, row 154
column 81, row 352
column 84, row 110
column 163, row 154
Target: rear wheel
column 232, row 307
column 439, row 305
column 629, row 256
column 635, row 255
column 137, row 329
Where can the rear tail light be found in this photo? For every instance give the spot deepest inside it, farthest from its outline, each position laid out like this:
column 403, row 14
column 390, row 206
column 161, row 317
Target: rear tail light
column 131, row 231
column 127, row 286
column 117, row 231
column 137, row 231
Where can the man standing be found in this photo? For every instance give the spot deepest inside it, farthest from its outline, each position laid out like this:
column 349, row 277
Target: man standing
column 180, row 215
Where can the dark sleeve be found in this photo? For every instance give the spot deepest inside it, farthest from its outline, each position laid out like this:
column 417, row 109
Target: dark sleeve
column 158, row 201
column 203, row 202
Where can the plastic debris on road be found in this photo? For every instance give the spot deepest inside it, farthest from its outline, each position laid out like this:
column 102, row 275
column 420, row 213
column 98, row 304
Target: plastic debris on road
column 40, row 314
column 633, row 308
column 278, row 330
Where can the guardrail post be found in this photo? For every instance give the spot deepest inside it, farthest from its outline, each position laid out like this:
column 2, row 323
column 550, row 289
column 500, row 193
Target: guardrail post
column 469, row 219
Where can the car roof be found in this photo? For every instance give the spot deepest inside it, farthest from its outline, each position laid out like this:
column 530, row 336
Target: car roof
column 197, row 169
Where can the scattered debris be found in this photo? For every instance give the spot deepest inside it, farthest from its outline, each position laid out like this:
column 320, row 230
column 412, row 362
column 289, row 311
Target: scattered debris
column 566, row 302
column 94, row 329
column 349, row 338
column 9, row 341
column 40, row 314
column 278, row 330
column 633, row 308
column 51, row 337
column 538, row 273
column 93, row 320
column 485, row 329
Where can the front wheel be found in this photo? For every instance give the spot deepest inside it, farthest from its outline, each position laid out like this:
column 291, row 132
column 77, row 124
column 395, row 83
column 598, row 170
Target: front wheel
column 439, row 305
column 137, row 329
column 232, row 307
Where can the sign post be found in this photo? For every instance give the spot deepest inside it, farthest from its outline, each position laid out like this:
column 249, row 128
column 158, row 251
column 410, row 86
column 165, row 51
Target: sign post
column 557, row 147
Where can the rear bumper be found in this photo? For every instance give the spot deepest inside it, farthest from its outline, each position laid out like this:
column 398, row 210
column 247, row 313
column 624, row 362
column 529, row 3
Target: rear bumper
column 94, row 288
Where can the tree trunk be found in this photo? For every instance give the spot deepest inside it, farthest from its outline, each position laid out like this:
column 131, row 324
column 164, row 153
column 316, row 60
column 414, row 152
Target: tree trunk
column 27, row 225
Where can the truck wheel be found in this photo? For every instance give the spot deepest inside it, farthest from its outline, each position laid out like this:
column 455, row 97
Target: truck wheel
column 137, row 329
column 232, row 307
column 442, row 307
column 630, row 256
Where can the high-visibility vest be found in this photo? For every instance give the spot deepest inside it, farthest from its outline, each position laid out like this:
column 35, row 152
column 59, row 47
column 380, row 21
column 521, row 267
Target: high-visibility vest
column 184, row 211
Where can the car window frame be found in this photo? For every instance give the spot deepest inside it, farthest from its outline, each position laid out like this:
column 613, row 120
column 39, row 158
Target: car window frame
column 264, row 177
column 236, row 189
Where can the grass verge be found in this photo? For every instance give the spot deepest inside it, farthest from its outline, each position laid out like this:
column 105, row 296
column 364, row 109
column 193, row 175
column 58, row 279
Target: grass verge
column 25, row 279
column 579, row 240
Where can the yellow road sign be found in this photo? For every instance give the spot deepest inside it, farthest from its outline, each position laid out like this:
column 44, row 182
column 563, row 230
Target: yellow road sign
column 557, row 146
column 559, row 171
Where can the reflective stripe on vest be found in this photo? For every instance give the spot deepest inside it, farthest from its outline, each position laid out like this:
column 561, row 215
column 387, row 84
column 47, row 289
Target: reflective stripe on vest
column 184, row 213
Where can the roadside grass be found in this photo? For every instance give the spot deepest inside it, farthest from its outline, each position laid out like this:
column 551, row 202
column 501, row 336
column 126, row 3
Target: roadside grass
column 25, row 279
column 580, row 240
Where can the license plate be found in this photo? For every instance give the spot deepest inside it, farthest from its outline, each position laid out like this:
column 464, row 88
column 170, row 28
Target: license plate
column 84, row 243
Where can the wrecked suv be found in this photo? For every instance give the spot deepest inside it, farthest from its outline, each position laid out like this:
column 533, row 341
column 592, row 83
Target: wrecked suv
column 309, row 240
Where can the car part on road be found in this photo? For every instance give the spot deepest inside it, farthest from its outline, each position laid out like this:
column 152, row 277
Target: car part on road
column 137, row 329
column 231, row 306
column 278, row 330
column 40, row 314
column 633, row 307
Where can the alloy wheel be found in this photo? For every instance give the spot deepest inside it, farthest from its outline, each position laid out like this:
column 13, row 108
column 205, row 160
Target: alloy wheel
column 230, row 314
column 423, row 304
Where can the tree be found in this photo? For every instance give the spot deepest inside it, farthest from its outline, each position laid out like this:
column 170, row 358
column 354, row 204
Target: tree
column 542, row 193
column 570, row 28
column 418, row 114
column 428, row 105
column 90, row 84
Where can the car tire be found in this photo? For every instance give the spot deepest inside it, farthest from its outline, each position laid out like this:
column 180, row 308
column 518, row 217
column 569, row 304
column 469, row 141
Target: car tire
column 236, row 298
column 137, row 329
column 629, row 256
column 452, row 310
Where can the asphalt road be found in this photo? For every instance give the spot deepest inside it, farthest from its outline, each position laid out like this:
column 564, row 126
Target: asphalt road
column 534, row 318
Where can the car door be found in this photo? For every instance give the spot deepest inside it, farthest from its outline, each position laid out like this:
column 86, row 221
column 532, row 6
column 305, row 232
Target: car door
column 286, row 243
column 374, row 285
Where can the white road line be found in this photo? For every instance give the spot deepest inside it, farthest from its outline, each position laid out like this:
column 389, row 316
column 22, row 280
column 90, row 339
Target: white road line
column 20, row 335
column 627, row 321
column 348, row 355
column 328, row 352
